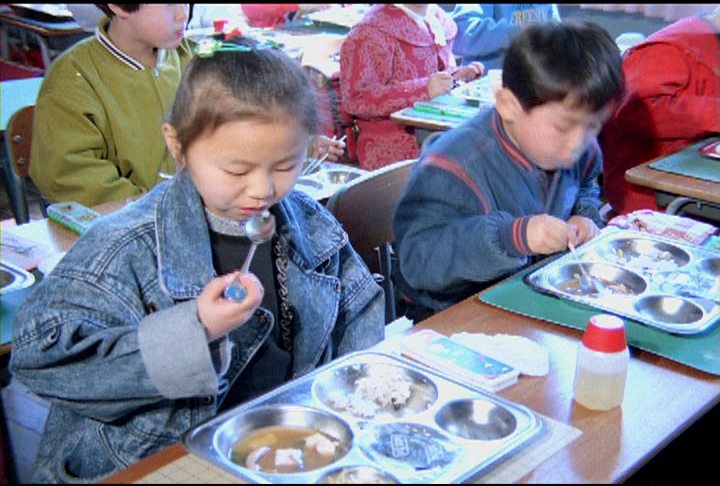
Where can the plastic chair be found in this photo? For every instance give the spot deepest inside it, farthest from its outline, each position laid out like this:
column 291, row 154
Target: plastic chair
column 18, row 140
column 365, row 208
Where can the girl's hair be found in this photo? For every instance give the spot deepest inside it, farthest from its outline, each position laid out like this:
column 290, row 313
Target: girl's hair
column 547, row 61
column 239, row 80
column 128, row 7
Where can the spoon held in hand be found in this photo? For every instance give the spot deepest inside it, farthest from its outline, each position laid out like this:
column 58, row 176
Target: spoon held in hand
column 260, row 228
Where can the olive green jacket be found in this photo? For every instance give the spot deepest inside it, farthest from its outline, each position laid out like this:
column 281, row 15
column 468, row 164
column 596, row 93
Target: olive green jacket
column 97, row 132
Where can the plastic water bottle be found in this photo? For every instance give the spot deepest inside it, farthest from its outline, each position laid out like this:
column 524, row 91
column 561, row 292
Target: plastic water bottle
column 602, row 363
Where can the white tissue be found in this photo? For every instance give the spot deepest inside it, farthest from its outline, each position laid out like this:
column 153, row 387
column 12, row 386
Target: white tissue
column 523, row 354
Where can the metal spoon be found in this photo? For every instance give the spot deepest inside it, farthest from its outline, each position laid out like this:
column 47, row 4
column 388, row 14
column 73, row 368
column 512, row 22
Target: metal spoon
column 588, row 280
column 260, row 228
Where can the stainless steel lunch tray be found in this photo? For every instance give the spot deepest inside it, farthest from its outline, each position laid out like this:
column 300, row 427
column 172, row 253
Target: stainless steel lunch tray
column 666, row 284
column 448, row 432
column 328, row 178
column 15, row 278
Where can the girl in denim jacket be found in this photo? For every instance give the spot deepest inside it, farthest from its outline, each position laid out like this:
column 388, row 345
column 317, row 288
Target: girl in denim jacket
column 130, row 337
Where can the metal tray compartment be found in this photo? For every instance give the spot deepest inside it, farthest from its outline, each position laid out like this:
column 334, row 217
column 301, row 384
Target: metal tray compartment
column 400, row 421
column 328, row 178
column 657, row 281
column 15, row 278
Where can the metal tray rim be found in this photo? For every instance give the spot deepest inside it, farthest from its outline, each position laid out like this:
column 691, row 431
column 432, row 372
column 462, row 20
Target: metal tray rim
column 199, row 439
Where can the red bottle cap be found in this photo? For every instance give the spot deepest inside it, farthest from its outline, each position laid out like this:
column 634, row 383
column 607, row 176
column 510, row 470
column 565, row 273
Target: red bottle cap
column 605, row 333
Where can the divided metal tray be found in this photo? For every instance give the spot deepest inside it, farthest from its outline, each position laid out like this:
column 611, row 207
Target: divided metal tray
column 443, row 432
column 657, row 281
column 328, row 178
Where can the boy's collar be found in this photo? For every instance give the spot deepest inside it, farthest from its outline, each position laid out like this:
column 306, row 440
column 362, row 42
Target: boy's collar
column 102, row 36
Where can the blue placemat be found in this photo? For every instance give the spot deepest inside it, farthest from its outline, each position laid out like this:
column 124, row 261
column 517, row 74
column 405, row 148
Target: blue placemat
column 700, row 351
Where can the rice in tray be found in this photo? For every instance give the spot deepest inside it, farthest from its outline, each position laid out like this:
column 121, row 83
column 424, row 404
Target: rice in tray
column 383, row 388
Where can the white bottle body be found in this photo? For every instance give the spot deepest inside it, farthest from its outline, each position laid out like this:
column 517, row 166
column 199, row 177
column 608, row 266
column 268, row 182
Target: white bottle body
column 600, row 378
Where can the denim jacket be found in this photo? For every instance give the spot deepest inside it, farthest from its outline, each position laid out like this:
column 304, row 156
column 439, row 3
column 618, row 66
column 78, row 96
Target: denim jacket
column 111, row 337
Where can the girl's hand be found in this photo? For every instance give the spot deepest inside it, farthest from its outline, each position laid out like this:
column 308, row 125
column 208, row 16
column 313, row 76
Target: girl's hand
column 220, row 315
column 439, row 83
column 322, row 144
column 470, row 72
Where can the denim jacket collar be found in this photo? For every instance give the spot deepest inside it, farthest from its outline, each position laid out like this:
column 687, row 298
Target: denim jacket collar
column 184, row 252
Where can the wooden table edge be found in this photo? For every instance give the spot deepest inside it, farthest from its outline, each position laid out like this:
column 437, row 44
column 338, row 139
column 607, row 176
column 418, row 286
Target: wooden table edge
column 147, row 466
column 676, row 184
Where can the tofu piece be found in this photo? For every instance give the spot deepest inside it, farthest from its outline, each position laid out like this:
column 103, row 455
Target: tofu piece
column 288, row 457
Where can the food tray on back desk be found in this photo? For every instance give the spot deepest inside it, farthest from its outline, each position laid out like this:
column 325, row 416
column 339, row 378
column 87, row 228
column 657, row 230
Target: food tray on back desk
column 656, row 281
column 446, row 431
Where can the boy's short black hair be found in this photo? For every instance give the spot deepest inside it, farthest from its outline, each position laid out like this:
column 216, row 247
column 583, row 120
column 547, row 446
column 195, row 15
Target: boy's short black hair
column 128, row 7
column 547, row 61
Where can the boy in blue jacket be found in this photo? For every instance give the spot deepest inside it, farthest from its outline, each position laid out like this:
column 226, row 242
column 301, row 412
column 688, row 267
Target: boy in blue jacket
column 486, row 29
column 519, row 180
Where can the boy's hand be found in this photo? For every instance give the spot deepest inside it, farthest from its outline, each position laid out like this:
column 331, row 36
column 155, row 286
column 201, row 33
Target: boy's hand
column 584, row 228
column 547, row 234
column 220, row 315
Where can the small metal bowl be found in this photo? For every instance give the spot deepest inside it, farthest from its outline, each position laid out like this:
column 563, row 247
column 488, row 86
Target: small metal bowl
column 476, row 419
column 644, row 254
column 341, row 176
column 669, row 309
column 358, row 475
column 569, row 279
column 710, row 266
column 409, row 445
column 375, row 391
column 15, row 278
column 686, row 284
column 237, row 426
column 309, row 183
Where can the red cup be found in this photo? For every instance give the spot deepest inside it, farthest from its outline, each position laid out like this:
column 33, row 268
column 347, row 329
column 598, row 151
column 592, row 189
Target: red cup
column 605, row 333
column 219, row 25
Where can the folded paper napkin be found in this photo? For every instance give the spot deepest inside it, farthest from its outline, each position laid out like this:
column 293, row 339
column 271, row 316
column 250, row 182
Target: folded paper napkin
column 523, row 354
column 667, row 225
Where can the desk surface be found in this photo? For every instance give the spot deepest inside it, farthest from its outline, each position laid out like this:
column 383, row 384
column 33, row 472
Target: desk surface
column 677, row 184
column 614, row 444
column 433, row 121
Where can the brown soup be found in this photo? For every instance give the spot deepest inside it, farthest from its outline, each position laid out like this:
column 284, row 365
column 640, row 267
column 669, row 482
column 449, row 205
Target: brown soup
column 283, row 449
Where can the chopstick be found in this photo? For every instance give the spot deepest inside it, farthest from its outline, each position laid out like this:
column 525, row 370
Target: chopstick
column 317, row 162
column 313, row 165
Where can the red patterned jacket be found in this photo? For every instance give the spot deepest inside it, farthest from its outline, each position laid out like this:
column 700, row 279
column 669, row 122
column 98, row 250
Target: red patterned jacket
column 385, row 62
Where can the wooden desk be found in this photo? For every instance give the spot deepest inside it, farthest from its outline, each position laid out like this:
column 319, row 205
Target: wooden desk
column 675, row 190
column 52, row 38
column 464, row 98
column 662, row 399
